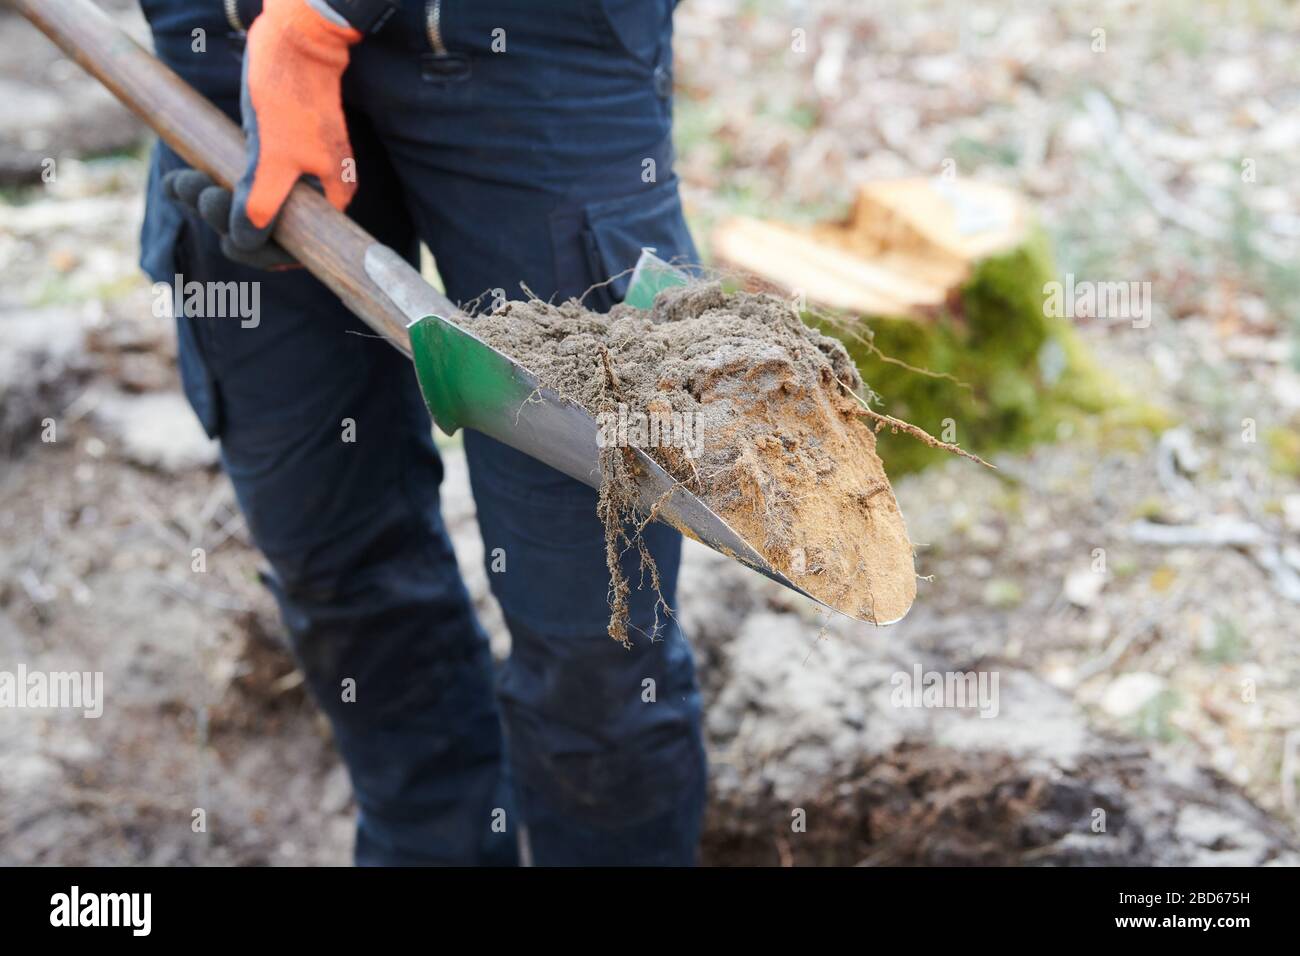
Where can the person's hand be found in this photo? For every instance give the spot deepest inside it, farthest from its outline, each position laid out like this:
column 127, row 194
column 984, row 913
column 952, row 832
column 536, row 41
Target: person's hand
column 200, row 194
column 292, row 105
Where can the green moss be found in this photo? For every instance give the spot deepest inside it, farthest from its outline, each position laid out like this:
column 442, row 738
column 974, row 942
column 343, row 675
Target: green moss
column 1284, row 451
column 1003, row 593
column 1155, row 719
column 1027, row 376
column 60, row 289
column 1228, row 646
column 1149, row 508
column 1124, row 567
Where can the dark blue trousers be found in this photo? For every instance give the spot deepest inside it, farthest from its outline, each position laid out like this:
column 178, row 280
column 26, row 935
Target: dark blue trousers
column 531, row 144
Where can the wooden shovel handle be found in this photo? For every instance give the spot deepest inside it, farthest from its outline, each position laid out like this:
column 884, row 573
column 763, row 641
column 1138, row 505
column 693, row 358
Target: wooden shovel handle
column 324, row 240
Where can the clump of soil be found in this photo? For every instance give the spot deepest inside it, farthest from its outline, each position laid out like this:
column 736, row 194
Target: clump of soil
column 747, row 407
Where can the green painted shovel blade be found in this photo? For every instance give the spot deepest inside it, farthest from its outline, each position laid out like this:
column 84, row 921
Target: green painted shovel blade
column 650, row 277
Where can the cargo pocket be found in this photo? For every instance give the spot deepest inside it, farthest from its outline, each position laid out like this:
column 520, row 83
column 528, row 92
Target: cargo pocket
column 616, row 230
column 166, row 255
column 640, row 27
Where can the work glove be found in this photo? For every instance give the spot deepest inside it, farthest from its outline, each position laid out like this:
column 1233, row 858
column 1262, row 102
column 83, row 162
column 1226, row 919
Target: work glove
column 200, row 194
column 292, row 105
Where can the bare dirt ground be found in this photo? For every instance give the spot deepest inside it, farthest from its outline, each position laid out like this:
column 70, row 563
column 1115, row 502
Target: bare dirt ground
column 1140, row 589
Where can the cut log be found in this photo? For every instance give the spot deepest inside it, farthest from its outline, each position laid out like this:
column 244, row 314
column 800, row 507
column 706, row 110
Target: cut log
column 950, row 277
column 798, row 261
column 906, row 248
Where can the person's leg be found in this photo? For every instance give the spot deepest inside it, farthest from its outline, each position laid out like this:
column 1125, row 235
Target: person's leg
column 604, row 741
column 329, row 448
column 537, row 151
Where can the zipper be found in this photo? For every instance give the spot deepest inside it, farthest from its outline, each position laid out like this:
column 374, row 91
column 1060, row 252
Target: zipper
column 232, row 16
column 433, row 26
column 441, row 65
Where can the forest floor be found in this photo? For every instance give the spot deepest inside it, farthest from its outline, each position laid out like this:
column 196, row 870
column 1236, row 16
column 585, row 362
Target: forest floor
column 1155, row 581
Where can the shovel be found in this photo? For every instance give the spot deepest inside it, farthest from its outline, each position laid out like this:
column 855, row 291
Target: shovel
column 466, row 382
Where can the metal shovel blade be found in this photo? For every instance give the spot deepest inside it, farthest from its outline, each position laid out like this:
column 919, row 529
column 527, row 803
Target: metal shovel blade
column 469, row 384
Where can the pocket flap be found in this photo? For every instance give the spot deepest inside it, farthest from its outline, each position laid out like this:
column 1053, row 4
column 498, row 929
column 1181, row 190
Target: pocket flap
column 618, row 229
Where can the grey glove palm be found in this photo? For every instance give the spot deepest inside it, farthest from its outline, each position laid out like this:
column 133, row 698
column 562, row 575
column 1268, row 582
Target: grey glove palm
column 197, row 192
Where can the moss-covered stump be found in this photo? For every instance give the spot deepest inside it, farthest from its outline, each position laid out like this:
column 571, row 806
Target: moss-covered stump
column 937, row 289
column 999, row 373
